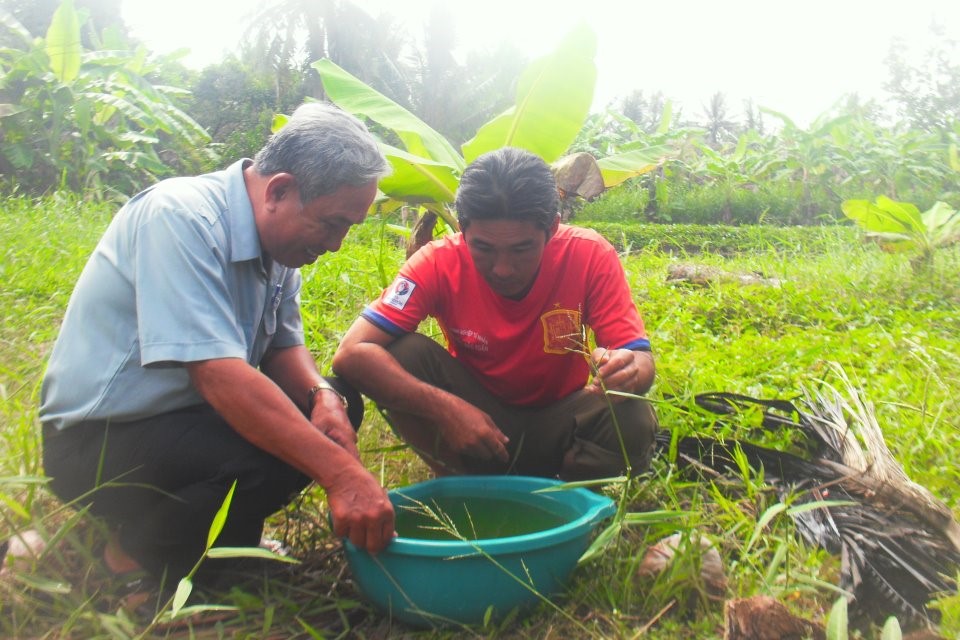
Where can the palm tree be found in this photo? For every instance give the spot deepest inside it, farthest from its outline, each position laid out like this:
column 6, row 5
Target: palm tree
column 291, row 34
column 453, row 98
column 719, row 129
column 647, row 113
column 753, row 117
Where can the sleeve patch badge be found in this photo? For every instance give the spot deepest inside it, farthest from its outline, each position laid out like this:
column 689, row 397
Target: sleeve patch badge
column 399, row 292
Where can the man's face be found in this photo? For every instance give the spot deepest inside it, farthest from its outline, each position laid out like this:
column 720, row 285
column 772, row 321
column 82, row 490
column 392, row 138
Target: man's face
column 507, row 253
column 296, row 234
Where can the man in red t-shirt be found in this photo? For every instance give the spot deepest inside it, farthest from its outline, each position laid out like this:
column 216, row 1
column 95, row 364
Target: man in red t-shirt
column 520, row 388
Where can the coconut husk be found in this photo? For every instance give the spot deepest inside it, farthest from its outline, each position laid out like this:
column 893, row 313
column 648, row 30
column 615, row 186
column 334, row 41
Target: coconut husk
column 578, row 175
column 659, row 557
column 766, row 618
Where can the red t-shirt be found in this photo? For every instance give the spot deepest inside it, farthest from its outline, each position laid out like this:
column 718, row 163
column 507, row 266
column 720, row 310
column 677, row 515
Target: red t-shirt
column 526, row 352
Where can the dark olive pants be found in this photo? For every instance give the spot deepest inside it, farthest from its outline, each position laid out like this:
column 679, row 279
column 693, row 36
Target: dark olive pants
column 578, row 437
column 158, row 482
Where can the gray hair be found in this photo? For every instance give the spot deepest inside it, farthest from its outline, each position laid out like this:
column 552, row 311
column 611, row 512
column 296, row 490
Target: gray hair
column 323, row 148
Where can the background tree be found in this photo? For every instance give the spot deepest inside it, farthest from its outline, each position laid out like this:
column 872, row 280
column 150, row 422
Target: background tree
column 719, row 130
column 753, row 117
column 96, row 15
column 236, row 104
column 422, row 74
column 646, row 112
column 927, row 94
column 291, row 34
column 454, row 98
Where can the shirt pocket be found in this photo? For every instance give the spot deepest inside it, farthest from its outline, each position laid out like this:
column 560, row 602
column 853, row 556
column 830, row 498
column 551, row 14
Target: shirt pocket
column 269, row 321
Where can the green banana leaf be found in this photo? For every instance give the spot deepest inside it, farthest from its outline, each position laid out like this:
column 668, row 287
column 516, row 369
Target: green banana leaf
column 353, row 96
column 63, row 43
column 554, row 95
column 884, row 216
column 899, row 226
column 13, row 27
column 618, row 168
column 943, row 222
column 416, row 179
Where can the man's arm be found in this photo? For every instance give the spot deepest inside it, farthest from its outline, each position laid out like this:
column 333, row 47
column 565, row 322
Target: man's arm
column 363, row 360
column 295, row 371
column 262, row 414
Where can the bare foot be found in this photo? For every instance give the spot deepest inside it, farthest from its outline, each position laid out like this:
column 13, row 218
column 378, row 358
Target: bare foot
column 116, row 558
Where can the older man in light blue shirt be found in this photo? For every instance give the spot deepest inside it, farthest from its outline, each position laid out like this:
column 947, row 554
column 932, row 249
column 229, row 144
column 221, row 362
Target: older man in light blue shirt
column 128, row 324
column 181, row 366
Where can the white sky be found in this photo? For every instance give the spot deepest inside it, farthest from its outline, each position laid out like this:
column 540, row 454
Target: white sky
column 799, row 58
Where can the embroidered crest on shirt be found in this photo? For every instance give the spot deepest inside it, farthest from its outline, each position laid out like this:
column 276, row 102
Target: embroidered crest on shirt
column 400, row 292
column 562, row 331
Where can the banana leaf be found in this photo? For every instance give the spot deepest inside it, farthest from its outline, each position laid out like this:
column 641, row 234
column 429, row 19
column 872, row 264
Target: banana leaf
column 618, row 168
column 554, row 95
column 416, row 179
column 886, row 216
column 353, row 96
column 944, row 222
column 63, row 43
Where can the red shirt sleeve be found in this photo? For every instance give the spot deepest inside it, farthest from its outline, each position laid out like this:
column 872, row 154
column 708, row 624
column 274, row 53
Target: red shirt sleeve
column 610, row 310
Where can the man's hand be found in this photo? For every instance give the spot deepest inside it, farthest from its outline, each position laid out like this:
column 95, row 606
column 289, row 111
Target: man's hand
column 269, row 420
column 621, row 370
column 330, row 418
column 361, row 510
column 471, row 432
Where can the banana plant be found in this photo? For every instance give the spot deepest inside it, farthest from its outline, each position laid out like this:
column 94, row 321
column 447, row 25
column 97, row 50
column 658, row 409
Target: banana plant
column 86, row 120
column 900, row 226
column 553, row 98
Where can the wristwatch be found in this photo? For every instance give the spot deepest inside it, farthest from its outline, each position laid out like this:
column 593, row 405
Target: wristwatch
column 323, row 385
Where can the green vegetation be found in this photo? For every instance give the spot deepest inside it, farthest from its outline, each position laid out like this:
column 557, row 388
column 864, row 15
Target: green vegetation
column 86, row 108
column 901, row 227
column 775, row 304
column 837, row 300
column 681, row 239
column 87, row 121
column 794, row 177
column 552, row 100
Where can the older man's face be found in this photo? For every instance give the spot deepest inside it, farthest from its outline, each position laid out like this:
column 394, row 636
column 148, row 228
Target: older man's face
column 297, row 234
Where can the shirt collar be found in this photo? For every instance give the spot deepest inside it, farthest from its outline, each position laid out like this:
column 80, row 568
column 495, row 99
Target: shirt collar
column 244, row 238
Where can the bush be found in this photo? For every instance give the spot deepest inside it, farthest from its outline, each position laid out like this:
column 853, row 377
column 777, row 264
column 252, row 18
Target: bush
column 723, row 239
column 773, row 202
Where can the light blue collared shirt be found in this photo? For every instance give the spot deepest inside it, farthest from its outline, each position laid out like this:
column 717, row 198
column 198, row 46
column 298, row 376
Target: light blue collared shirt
column 177, row 277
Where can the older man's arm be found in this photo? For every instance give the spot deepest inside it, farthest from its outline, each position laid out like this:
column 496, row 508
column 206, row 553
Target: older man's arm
column 260, row 411
column 295, row 372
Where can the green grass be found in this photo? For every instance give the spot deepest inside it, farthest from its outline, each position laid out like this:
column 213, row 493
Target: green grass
column 895, row 332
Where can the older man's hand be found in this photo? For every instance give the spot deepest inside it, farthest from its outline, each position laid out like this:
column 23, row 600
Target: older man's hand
column 361, row 510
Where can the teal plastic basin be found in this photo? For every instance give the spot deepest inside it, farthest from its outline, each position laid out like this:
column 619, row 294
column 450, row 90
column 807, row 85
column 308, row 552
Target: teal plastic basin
column 521, row 541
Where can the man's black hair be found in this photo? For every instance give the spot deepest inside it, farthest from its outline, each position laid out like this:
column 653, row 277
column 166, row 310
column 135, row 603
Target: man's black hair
column 508, row 184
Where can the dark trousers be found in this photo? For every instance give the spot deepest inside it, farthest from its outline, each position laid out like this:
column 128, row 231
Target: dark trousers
column 158, row 482
column 578, row 437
